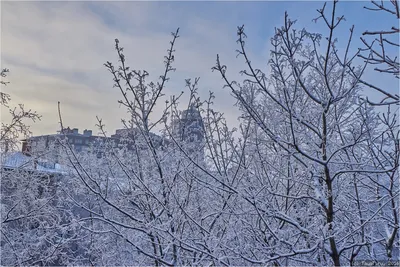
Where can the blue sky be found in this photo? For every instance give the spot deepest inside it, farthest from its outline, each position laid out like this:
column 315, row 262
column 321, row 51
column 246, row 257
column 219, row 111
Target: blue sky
column 55, row 50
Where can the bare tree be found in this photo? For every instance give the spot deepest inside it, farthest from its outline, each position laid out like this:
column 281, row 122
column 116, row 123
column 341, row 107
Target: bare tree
column 17, row 127
column 309, row 176
column 33, row 229
column 382, row 51
column 322, row 134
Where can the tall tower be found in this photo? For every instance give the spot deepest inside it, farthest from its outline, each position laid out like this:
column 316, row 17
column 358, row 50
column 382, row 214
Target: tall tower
column 189, row 129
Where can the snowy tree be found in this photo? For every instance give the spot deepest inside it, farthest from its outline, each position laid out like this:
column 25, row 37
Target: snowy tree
column 310, row 115
column 33, row 228
column 382, row 50
column 17, row 126
column 308, row 177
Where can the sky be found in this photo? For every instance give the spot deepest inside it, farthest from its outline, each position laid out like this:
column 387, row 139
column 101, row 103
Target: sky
column 56, row 50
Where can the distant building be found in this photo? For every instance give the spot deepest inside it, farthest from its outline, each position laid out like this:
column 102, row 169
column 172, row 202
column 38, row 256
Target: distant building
column 86, row 141
column 133, row 137
column 189, row 128
column 80, row 142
